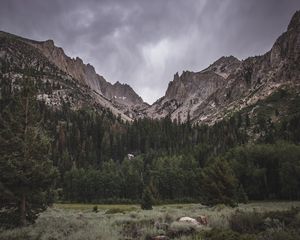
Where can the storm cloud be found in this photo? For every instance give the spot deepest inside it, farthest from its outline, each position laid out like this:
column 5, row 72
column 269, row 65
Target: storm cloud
column 145, row 42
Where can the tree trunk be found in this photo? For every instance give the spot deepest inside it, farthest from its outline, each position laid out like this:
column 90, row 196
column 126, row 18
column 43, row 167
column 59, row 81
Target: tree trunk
column 23, row 210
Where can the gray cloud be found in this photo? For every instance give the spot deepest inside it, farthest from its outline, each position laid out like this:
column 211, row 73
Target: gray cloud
column 143, row 43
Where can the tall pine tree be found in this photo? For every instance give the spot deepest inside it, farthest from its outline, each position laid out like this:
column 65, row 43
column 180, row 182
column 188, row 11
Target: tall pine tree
column 27, row 173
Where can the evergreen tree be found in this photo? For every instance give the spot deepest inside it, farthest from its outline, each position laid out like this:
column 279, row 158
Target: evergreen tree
column 147, row 199
column 219, row 184
column 241, row 195
column 26, row 170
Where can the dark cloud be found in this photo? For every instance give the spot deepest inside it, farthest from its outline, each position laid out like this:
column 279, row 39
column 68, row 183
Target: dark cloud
column 144, row 42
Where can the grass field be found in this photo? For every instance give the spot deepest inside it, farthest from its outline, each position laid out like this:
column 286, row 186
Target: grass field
column 79, row 221
column 83, row 207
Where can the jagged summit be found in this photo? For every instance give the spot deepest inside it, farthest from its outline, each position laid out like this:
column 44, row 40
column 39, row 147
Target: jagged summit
column 226, row 86
column 295, row 21
column 50, row 43
column 229, row 85
column 224, row 66
column 86, row 73
column 82, row 75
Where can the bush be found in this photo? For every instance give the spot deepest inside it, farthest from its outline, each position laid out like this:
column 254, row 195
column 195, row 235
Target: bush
column 181, row 228
column 289, row 218
column 217, row 234
column 95, row 209
column 241, row 195
column 115, row 210
column 281, row 235
column 242, row 222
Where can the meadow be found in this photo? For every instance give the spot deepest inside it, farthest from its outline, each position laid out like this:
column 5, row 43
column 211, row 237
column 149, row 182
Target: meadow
column 112, row 222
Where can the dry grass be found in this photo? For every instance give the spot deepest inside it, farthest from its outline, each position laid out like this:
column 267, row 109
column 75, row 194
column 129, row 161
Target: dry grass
column 78, row 221
column 81, row 206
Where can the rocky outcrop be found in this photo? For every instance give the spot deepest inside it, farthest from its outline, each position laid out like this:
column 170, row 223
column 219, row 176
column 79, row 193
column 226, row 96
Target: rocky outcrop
column 86, row 74
column 120, row 96
column 226, row 86
column 225, row 66
column 257, row 77
column 229, row 85
column 20, row 59
column 187, row 92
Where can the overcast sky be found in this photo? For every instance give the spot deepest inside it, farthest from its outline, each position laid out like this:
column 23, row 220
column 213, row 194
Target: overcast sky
column 145, row 42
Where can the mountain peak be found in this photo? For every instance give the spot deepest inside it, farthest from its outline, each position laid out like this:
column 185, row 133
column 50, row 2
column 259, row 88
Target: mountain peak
column 295, row 21
column 79, row 60
column 117, row 83
column 226, row 60
column 49, row 42
column 224, row 66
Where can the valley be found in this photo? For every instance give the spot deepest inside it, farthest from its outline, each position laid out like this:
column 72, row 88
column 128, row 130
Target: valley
column 216, row 157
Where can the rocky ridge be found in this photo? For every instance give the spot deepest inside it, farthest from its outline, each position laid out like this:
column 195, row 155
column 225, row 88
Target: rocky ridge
column 121, row 99
column 19, row 60
column 122, row 95
column 226, row 86
column 188, row 91
column 229, row 85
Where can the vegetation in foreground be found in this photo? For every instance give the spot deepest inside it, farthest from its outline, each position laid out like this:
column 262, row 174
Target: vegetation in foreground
column 81, row 156
column 260, row 220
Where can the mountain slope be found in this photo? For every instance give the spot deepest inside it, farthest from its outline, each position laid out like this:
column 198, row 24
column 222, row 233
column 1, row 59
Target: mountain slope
column 19, row 60
column 229, row 85
column 86, row 73
column 187, row 92
column 119, row 98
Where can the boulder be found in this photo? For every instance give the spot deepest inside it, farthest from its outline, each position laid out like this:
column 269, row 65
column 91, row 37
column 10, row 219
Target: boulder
column 188, row 220
column 160, row 237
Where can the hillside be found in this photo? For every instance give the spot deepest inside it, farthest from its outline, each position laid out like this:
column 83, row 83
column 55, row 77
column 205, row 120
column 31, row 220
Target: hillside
column 229, row 85
column 64, row 80
column 215, row 93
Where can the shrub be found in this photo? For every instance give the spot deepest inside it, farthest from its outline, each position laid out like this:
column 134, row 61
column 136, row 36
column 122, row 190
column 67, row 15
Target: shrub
column 251, row 222
column 217, row 234
column 241, row 195
column 281, row 235
column 288, row 218
column 181, row 228
column 95, row 209
column 115, row 210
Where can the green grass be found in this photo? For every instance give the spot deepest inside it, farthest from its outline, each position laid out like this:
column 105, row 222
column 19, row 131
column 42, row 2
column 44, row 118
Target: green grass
column 84, row 206
column 78, row 221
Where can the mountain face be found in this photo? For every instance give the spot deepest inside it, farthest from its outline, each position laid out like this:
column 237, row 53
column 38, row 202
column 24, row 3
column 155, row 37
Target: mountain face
column 229, row 85
column 85, row 73
column 21, row 54
column 187, row 92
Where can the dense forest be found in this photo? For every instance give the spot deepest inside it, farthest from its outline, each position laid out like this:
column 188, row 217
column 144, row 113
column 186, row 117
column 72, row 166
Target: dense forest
column 92, row 156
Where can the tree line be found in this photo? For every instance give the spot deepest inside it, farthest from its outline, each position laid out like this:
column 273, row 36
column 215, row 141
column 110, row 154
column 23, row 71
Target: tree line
column 256, row 172
column 83, row 156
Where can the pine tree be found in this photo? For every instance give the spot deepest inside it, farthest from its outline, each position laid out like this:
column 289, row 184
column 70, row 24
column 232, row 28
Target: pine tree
column 25, row 167
column 147, row 199
column 219, row 184
column 241, row 195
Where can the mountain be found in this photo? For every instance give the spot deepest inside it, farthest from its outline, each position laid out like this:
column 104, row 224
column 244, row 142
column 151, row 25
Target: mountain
column 229, row 85
column 86, row 73
column 74, row 77
column 187, row 92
